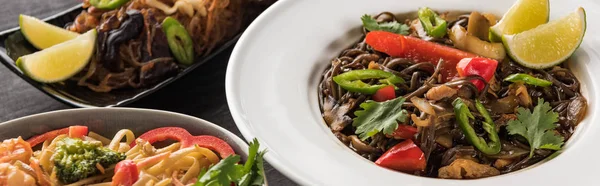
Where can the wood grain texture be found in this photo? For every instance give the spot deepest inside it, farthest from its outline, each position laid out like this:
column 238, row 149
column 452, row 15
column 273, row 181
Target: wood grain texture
column 200, row 93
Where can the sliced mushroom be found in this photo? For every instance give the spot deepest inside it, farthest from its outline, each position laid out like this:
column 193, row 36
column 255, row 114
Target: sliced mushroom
column 522, row 94
column 470, row 43
column 360, row 146
column 576, row 110
column 467, row 169
column 478, row 26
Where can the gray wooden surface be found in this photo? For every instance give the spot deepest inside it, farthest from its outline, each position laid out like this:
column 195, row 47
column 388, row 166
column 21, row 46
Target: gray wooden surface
column 200, row 93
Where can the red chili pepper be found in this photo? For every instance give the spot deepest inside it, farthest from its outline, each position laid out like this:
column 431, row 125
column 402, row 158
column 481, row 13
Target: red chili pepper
column 418, row 50
column 126, row 173
column 483, row 67
column 384, row 94
column 404, row 132
column 404, row 156
column 187, row 140
column 73, row 131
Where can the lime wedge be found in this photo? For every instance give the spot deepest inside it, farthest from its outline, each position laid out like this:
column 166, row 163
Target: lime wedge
column 61, row 61
column 522, row 16
column 41, row 34
column 548, row 44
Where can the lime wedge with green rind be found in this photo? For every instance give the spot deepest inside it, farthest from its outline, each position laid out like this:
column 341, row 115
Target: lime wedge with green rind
column 549, row 44
column 43, row 35
column 522, row 16
column 60, row 61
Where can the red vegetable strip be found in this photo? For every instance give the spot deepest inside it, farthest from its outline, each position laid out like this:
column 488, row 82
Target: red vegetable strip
column 77, row 131
column 384, row 94
column 36, row 140
column 404, row 132
column 210, row 142
column 483, row 67
column 418, row 50
column 405, row 157
column 180, row 134
column 164, row 133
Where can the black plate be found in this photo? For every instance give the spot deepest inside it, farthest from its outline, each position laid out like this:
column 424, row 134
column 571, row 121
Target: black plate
column 69, row 92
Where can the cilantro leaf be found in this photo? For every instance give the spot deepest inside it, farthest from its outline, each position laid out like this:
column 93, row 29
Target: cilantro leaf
column 379, row 116
column 372, row 25
column 537, row 127
column 227, row 171
column 220, row 173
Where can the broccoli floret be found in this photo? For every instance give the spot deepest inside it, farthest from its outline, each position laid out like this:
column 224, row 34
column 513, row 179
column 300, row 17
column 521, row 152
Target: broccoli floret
column 76, row 159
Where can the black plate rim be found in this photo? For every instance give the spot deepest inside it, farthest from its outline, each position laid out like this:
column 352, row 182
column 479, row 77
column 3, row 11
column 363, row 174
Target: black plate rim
column 9, row 63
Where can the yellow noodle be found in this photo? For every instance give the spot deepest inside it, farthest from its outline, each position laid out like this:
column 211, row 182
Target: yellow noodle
column 170, row 148
column 167, row 163
column 184, row 6
column 47, row 153
column 123, row 147
column 98, row 137
column 124, row 133
column 92, row 179
column 134, row 150
column 192, row 172
column 164, row 182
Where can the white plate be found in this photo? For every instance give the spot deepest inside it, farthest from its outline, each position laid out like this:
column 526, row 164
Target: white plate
column 274, row 71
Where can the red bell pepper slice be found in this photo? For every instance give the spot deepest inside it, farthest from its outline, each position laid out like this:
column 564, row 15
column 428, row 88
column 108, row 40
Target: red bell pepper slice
column 404, row 156
column 126, row 173
column 164, row 133
column 418, row 50
column 210, row 142
column 483, row 67
column 73, row 131
column 187, row 140
column 405, row 132
column 78, row 131
column 384, row 94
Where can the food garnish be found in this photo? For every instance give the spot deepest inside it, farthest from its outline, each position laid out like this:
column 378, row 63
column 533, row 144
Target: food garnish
column 537, row 127
column 562, row 36
column 528, row 79
column 462, row 118
column 434, row 25
column 378, row 117
column 227, row 171
column 61, row 61
column 180, row 42
column 353, row 80
column 523, row 15
column 43, row 35
column 372, row 25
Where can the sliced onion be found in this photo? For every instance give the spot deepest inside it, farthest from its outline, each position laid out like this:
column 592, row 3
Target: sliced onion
column 423, row 105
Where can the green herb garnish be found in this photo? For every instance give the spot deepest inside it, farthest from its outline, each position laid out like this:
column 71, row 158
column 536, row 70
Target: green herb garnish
column 372, row 25
column 537, row 127
column 379, row 117
column 227, row 171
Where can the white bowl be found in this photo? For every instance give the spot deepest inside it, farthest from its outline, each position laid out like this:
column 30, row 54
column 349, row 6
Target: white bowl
column 275, row 68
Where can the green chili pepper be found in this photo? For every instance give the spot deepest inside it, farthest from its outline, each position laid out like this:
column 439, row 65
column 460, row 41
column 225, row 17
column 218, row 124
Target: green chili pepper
column 462, row 117
column 434, row 25
column 108, row 4
column 352, row 80
column 528, row 79
column 180, row 42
